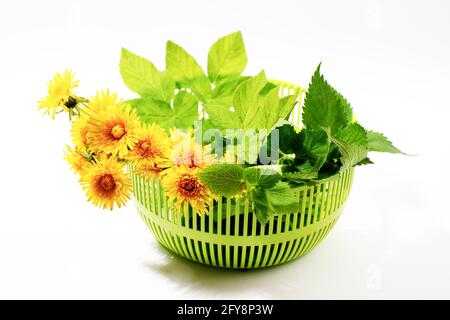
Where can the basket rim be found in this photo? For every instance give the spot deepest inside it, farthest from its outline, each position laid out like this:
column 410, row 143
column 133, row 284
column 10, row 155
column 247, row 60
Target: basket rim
column 287, row 84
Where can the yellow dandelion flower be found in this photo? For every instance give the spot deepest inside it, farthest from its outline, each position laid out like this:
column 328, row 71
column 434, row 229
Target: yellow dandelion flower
column 104, row 99
column 184, row 187
column 112, row 130
column 77, row 159
column 151, row 146
column 60, row 95
column 79, row 132
column 177, row 135
column 190, row 154
column 150, row 172
column 106, row 182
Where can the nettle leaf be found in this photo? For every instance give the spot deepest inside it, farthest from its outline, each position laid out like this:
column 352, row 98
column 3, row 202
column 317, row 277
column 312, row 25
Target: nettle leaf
column 261, row 177
column 260, row 206
column 182, row 115
column 352, row 145
column 280, row 199
column 364, row 162
column 186, row 71
column 314, row 146
column 324, row 107
column 223, row 179
column 305, row 171
column 227, row 58
column 378, row 142
column 288, row 138
column 142, row 77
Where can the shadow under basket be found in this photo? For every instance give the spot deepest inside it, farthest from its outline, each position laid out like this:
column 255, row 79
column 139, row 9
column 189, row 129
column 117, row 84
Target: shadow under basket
column 230, row 235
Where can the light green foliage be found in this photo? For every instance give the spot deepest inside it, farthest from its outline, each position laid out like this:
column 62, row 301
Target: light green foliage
column 142, row 77
column 182, row 115
column 227, row 58
column 246, row 100
column 186, row 71
column 251, row 107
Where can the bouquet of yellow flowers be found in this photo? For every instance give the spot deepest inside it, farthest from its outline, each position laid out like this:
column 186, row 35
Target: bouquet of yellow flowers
column 107, row 135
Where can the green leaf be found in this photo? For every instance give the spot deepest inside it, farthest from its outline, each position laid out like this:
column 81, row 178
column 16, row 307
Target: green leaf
column 247, row 99
column 154, row 111
column 220, row 115
column 185, row 109
column 287, row 104
column 261, row 177
column 260, row 206
column 324, row 107
column 272, row 108
column 352, row 144
column 186, row 71
column 227, row 58
column 364, row 162
column 223, row 179
column 279, row 199
column 267, row 88
column 246, row 102
column 267, row 111
column 183, row 114
column 141, row 76
column 314, row 146
column 378, row 142
column 305, row 171
column 282, row 199
column 227, row 89
column 288, row 138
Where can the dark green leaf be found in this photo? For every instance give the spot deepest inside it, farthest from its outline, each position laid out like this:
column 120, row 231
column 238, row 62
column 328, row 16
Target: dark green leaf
column 324, row 107
column 313, row 146
column 365, row 161
column 352, row 144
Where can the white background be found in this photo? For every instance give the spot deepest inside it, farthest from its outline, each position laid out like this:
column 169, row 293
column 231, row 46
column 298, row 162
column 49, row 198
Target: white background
column 389, row 58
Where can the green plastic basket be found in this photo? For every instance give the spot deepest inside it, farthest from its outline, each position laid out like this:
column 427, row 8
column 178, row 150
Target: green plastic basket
column 234, row 238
